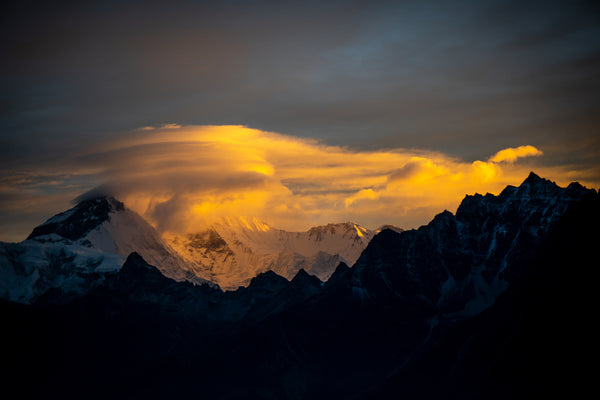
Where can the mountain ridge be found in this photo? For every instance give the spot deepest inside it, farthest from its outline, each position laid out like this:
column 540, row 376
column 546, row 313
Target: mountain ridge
column 234, row 250
column 465, row 260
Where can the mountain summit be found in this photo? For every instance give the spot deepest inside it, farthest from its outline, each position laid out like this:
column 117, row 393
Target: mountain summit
column 77, row 222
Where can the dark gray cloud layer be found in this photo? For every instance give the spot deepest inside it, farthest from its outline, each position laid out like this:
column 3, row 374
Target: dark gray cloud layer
column 463, row 77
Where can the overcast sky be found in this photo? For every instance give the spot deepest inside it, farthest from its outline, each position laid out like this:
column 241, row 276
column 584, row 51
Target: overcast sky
column 459, row 79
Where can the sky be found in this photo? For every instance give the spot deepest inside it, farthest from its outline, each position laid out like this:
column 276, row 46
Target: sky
column 299, row 113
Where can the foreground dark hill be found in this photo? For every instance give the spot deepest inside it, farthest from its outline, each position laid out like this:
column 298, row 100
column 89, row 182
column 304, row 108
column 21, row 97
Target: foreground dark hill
column 465, row 307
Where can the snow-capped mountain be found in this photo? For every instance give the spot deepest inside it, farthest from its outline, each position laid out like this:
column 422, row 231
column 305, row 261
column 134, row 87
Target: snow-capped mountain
column 234, row 250
column 72, row 249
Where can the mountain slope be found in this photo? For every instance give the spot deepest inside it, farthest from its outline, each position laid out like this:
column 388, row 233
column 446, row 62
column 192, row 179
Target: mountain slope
column 31, row 268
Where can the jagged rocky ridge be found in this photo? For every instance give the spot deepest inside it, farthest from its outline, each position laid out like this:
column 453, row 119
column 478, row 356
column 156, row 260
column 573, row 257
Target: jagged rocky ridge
column 461, row 263
column 398, row 321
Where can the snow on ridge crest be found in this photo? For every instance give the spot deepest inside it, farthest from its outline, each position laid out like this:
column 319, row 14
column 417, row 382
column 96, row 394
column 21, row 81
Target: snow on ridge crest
column 250, row 223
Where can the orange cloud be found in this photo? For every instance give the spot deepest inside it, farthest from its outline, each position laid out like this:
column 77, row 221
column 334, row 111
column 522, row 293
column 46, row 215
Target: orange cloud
column 513, row 153
column 182, row 178
column 362, row 194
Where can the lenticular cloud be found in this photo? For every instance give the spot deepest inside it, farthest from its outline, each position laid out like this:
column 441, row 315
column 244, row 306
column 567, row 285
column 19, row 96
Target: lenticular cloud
column 184, row 176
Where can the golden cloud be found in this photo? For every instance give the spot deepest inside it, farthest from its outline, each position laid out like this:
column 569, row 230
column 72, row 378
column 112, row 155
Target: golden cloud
column 513, row 153
column 183, row 177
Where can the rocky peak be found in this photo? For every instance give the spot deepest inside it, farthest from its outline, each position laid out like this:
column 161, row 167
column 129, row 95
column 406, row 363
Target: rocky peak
column 390, row 227
column 535, row 194
column 209, row 240
column 268, row 280
column 536, row 186
column 343, row 229
column 341, row 270
column 303, row 278
column 444, row 218
column 136, row 272
column 75, row 223
column 534, row 178
column 135, row 263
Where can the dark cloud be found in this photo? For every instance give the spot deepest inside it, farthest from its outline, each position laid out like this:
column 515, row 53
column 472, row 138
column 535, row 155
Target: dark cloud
column 405, row 172
column 104, row 190
column 167, row 214
column 405, row 74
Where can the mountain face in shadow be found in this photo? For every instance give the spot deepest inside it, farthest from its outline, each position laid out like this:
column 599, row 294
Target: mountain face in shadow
column 532, row 340
column 464, row 307
column 458, row 264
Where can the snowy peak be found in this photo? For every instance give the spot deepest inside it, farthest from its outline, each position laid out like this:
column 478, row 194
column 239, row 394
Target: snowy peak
column 75, row 223
column 105, row 224
column 345, row 230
